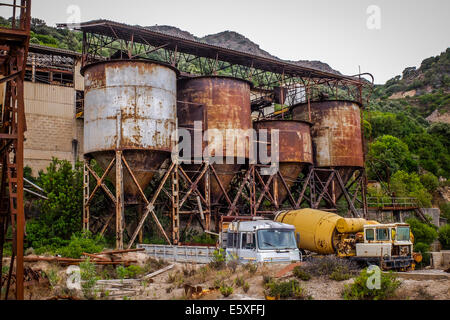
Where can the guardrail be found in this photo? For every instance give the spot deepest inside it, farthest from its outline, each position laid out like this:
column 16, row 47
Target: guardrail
column 195, row 254
column 385, row 202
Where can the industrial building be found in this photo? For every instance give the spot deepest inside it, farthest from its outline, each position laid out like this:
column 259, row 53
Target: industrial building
column 142, row 91
column 53, row 89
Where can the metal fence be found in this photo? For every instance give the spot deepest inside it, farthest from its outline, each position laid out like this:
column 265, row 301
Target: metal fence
column 387, row 202
column 197, row 254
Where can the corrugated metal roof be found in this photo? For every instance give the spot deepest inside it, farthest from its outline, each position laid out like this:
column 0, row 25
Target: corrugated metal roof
column 37, row 48
column 197, row 48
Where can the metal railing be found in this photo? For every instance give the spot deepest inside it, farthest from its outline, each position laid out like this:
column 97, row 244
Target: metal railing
column 188, row 254
column 394, row 202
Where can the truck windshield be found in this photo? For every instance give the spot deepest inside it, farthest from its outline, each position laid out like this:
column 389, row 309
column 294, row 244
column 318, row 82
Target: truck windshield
column 270, row 239
column 403, row 234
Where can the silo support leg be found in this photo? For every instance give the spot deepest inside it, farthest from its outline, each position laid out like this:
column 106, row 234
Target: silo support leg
column 302, row 196
column 119, row 201
column 347, row 196
column 86, row 195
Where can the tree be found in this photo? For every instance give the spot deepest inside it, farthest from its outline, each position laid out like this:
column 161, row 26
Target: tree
column 444, row 236
column 392, row 154
column 60, row 214
column 404, row 184
column 423, row 233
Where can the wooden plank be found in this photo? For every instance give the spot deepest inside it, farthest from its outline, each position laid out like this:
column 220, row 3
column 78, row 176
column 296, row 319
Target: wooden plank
column 151, row 275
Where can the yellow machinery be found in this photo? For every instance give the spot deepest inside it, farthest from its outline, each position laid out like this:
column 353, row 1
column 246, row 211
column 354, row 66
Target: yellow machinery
column 324, row 232
column 360, row 239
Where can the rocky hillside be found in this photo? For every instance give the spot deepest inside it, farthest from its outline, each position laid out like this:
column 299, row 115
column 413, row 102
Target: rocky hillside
column 237, row 41
column 425, row 89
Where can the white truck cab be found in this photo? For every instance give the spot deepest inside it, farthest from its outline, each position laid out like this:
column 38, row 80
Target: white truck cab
column 260, row 241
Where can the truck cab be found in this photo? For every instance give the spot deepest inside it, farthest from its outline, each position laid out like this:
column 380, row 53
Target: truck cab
column 390, row 244
column 260, row 241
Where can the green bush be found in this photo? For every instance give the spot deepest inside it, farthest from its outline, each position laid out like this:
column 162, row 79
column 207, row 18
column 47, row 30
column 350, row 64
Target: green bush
column 327, row 265
column 60, row 214
column 89, row 279
column 360, row 291
column 405, row 184
column 445, row 210
column 429, row 181
column 239, row 281
column 285, row 289
column 444, row 236
column 422, row 232
column 340, row 274
column 301, row 274
column 226, row 290
column 218, row 259
column 81, row 242
column 130, row 272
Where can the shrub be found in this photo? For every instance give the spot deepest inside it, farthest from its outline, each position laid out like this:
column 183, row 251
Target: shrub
column 424, row 249
column 129, row 272
column 445, row 210
column 340, row 275
column 429, row 181
column 285, row 289
column 444, row 236
column 266, row 279
column 53, row 278
column 218, row 260
column 251, row 267
column 61, row 213
column 81, row 242
column 218, row 283
column 233, row 264
column 301, row 274
column 327, row 265
column 360, row 291
column 226, row 290
column 422, row 232
column 239, row 281
column 246, row 287
column 89, row 279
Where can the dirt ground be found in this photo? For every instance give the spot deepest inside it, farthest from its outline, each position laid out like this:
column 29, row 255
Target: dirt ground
column 175, row 283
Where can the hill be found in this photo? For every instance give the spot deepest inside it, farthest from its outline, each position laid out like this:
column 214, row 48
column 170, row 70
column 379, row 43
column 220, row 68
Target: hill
column 236, row 41
column 408, row 128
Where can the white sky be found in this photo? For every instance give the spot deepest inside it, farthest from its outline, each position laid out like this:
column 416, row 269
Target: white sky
column 331, row 31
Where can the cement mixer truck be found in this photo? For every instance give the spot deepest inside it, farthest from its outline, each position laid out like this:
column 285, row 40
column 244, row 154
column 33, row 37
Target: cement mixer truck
column 388, row 245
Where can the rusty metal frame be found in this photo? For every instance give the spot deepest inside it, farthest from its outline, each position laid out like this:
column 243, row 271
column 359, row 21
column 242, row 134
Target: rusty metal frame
column 14, row 42
column 118, row 200
column 325, row 190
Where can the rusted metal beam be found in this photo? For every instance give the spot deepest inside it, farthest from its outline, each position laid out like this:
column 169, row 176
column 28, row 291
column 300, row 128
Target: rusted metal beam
column 150, row 210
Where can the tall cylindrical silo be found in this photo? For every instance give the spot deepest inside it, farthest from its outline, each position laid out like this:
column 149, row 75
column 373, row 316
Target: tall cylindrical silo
column 130, row 106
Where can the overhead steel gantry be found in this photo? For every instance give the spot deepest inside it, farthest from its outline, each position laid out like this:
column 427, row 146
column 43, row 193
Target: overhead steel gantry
column 104, row 39
column 14, row 41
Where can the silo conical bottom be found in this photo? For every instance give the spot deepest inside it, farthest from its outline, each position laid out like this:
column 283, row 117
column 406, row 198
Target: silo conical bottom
column 143, row 163
column 225, row 172
column 290, row 172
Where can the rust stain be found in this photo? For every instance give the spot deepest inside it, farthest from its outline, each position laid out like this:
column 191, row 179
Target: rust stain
column 336, row 132
column 221, row 103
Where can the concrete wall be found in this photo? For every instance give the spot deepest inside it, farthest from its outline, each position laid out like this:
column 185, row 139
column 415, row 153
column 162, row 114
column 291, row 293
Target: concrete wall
column 51, row 125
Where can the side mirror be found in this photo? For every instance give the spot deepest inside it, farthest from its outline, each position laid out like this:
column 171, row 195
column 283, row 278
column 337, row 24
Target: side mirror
column 297, row 238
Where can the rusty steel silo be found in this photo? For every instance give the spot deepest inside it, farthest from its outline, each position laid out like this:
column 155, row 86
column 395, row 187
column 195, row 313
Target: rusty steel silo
column 294, row 147
column 221, row 103
column 336, row 135
column 130, row 106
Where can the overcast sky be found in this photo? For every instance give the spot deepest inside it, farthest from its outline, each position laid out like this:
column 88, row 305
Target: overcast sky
column 382, row 40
